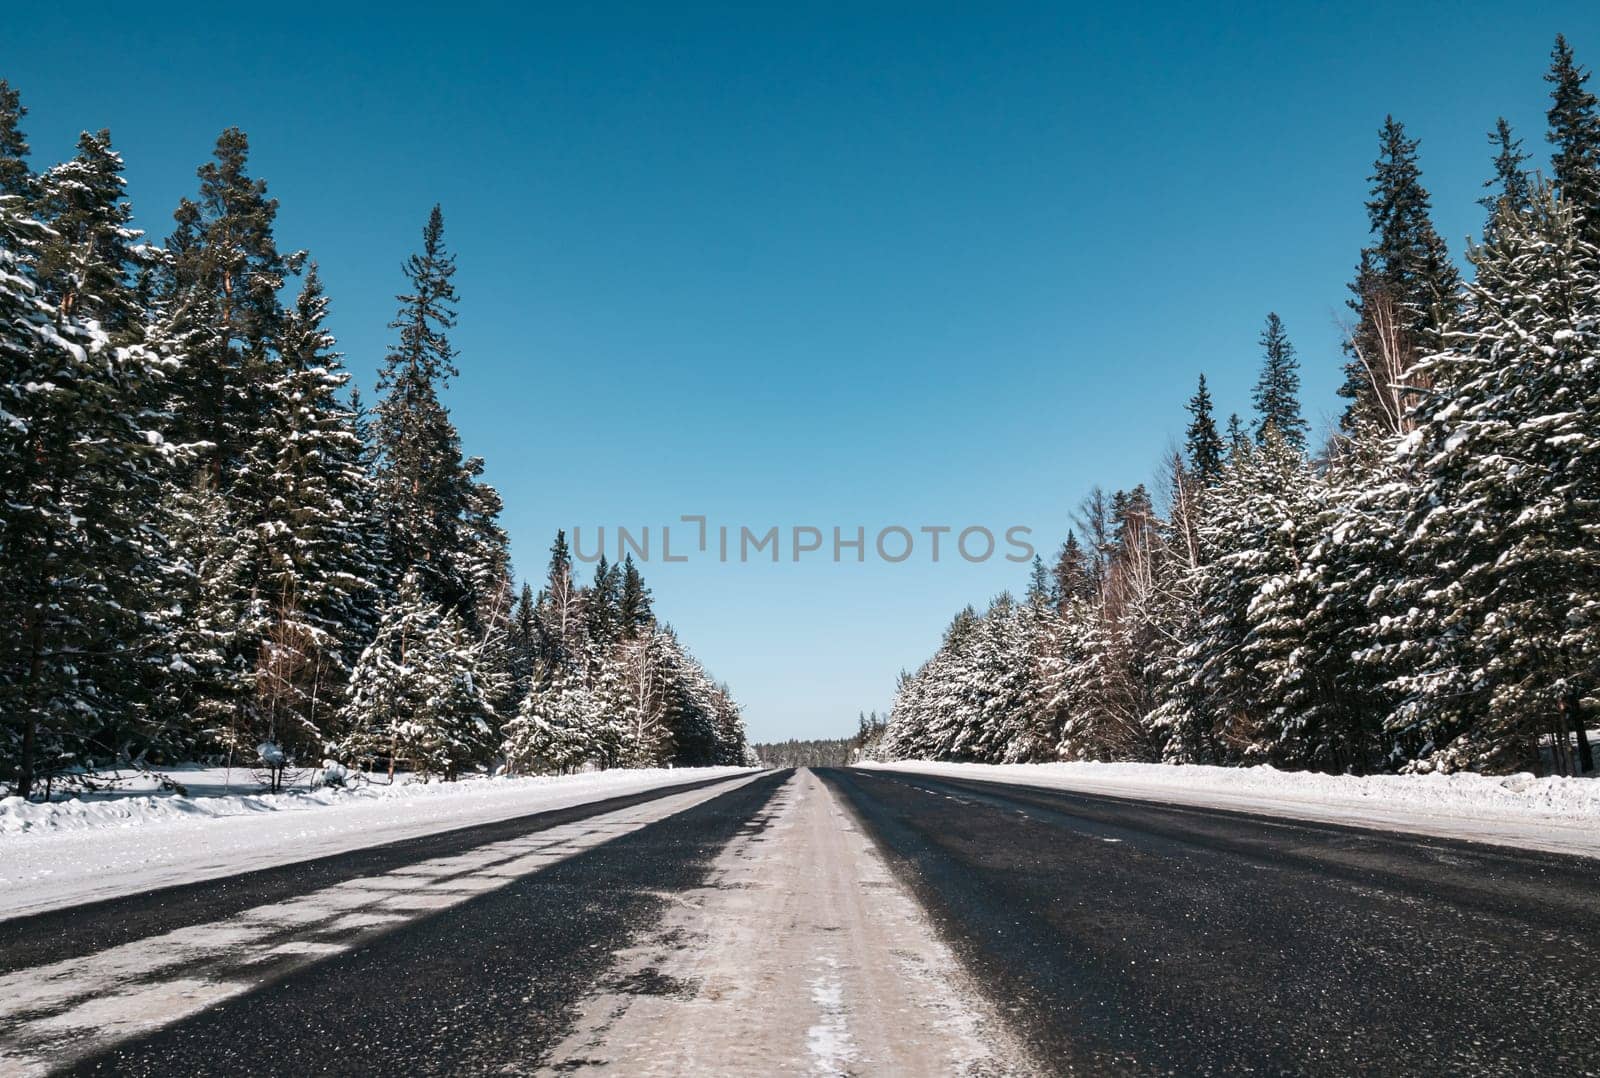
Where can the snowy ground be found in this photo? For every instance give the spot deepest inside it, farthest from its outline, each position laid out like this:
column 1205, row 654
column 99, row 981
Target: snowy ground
column 1561, row 815
column 82, row 850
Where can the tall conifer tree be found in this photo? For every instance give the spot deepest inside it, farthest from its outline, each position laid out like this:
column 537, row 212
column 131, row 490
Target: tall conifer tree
column 1277, row 392
column 1405, row 287
column 225, row 274
column 1202, row 443
column 423, row 480
column 1575, row 132
column 1509, row 188
column 80, row 400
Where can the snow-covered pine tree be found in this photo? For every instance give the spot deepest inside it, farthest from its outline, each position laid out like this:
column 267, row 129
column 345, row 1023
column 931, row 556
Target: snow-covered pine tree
column 997, row 690
column 1221, row 696
column 1498, row 616
column 221, row 283
column 689, row 700
column 1171, row 616
column 211, row 623
column 85, row 459
column 303, row 484
column 728, row 723
column 1405, row 288
column 483, row 564
column 1296, row 650
column 483, row 556
column 1333, row 696
column 424, row 484
column 554, row 731
column 1509, row 187
column 1574, row 118
column 1277, row 392
column 16, row 178
column 415, row 695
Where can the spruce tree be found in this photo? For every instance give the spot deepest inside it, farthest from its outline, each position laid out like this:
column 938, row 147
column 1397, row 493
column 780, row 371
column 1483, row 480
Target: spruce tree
column 554, row 730
column 1238, row 440
column 1404, row 292
column 1509, row 188
column 1041, row 590
column 222, row 282
column 1252, row 533
column 483, row 556
column 483, row 567
column 16, row 180
column 602, row 608
column 303, row 484
column 1495, row 626
column 84, row 464
column 524, row 632
column 1277, row 392
column 1575, row 132
column 416, row 696
column 1202, row 444
column 423, row 480
column 214, row 624
column 636, row 611
column 1071, row 572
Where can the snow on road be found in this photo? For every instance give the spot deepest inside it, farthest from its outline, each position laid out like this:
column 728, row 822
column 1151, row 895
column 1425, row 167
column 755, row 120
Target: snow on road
column 802, row 956
column 1558, row 815
column 50, row 1015
column 74, row 852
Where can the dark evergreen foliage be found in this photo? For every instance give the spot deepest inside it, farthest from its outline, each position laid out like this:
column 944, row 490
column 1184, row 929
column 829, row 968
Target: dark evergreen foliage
column 209, row 548
column 1202, row 444
column 1574, row 120
column 1277, row 392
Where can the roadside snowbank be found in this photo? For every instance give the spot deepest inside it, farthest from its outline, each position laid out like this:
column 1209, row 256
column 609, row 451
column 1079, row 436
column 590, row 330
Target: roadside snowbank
column 215, row 792
column 69, row 852
column 1561, row 815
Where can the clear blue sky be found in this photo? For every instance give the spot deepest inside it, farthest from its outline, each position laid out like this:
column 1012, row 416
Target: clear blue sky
column 817, row 264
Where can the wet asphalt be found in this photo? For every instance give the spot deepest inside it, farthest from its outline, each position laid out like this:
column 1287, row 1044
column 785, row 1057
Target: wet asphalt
column 1129, row 937
column 485, row 987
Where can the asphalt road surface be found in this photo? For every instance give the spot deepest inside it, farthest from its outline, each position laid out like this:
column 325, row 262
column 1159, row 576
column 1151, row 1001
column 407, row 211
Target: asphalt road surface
column 1148, row 939
column 842, row 922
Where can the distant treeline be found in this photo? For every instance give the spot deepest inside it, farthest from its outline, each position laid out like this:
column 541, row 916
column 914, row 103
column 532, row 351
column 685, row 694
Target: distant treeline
column 826, row 751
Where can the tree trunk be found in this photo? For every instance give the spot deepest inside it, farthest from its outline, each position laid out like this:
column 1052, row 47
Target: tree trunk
column 1573, row 706
column 27, row 760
